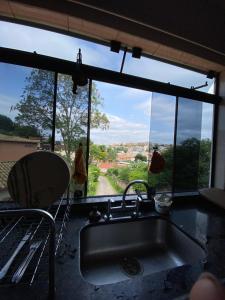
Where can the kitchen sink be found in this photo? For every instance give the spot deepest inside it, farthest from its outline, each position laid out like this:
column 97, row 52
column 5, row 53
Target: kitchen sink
column 115, row 251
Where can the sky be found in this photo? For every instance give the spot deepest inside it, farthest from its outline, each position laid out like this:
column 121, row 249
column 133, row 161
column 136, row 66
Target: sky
column 127, row 109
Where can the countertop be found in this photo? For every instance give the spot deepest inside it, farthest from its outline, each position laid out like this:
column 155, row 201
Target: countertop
column 196, row 216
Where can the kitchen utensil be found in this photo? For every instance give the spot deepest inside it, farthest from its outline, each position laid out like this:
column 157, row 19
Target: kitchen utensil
column 24, row 265
column 6, row 267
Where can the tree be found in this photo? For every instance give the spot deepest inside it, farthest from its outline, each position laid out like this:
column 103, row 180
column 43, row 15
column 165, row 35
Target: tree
column 36, row 108
column 6, row 124
column 111, row 154
column 26, row 131
column 97, row 153
column 140, row 157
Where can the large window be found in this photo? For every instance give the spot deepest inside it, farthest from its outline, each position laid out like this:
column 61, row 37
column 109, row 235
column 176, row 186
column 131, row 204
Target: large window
column 117, row 126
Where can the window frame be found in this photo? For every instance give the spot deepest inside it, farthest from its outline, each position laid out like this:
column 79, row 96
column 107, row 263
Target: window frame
column 27, row 59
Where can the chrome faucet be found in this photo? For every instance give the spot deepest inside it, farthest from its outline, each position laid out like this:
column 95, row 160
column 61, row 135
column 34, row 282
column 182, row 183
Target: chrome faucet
column 148, row 190
column 123, row 207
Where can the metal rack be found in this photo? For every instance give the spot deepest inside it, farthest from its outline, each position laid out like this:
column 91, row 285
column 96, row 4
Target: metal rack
column 37, row 234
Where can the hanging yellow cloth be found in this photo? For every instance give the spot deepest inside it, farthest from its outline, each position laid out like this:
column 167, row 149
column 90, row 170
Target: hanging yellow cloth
column 80, row 174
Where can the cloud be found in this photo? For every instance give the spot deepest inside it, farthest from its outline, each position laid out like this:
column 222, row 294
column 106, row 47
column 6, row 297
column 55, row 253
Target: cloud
column 145, row 106
column 120, row 131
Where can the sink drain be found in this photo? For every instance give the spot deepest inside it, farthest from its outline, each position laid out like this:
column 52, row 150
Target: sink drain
column 131, row 266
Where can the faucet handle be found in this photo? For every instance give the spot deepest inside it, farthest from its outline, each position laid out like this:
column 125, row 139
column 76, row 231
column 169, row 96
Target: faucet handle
column 139, row 195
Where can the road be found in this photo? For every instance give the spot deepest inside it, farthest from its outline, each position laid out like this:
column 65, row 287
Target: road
column 104, row 187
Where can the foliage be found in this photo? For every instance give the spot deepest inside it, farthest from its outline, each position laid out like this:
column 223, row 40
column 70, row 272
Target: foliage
column 8, row 127
column 93, row 175
column 101, row 153
column 26, row 131
column 111, row 154
column 6, row 124
column 97, row 153
column 122, row 149
column 113, row 181
column 192, row 168
column 204, row 163
column 192, row 164
column 140, row 157
column 36, row 108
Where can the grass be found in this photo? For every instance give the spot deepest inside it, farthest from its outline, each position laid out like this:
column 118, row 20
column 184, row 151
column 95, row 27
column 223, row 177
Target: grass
column 115, row 184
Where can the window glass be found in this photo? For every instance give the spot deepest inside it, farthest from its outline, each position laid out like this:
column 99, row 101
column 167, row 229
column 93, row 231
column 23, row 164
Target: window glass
column 205, row 145
column 119, row 138
column 72, row 128
column 162, row 137
column 57, row 45
column 66, row 47
column 187, row 145
column 152, row 69
column 193, row 147
column 26, row 98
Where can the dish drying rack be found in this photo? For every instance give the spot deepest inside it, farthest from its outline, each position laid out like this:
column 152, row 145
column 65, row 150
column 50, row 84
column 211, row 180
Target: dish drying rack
column 38, row 233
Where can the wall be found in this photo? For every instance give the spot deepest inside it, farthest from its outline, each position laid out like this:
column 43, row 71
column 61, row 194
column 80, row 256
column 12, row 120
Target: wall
column 220, row 152
column 13, row 151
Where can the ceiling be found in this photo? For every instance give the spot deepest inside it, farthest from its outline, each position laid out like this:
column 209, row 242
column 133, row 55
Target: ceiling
column 189, row 33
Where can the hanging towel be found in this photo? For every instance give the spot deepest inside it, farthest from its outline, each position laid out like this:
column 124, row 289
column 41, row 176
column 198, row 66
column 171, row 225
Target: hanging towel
column 80, row 174
column 157, row 163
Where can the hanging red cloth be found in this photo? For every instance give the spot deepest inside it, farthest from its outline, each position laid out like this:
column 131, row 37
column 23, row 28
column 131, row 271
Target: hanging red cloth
column 157, row 163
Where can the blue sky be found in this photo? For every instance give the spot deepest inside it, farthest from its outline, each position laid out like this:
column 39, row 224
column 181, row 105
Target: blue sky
column 127, row 109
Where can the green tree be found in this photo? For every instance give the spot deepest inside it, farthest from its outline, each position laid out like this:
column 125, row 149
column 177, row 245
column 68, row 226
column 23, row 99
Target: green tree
column 111, row 154
column 140, row 157
column 97, row 153
column 6, row 124
column 36, row 108
column 26, row 131
column 204, row 163
column 93, row 174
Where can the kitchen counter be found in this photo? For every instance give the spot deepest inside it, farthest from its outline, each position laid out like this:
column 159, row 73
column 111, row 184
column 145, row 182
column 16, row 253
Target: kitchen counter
column 196, row 216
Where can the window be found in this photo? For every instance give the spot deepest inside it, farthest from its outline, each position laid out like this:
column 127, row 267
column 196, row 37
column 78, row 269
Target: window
column 118, row 127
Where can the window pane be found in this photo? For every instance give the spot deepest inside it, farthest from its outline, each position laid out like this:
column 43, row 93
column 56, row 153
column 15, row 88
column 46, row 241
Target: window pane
column 58, row 45
column 205, row 145
column 66, row 47
column 26, row 97
column 188, row 145
column 119, row 138
column 162, row 136
column 71, row 124
column 153, row 69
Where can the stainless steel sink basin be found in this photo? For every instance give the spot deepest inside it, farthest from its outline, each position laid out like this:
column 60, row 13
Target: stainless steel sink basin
column 116, row 251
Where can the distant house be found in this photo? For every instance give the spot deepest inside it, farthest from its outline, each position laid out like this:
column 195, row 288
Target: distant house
column 129, row 156
column 12, row 148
